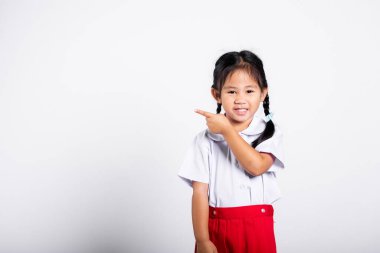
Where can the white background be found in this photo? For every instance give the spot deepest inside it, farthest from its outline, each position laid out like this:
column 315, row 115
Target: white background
column 96, row 113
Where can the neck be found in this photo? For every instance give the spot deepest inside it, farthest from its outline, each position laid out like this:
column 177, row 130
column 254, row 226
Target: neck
column 240, row 126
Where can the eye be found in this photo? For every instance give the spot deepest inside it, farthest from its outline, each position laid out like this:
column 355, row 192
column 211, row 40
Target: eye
column 231, row 92
column 250, row 91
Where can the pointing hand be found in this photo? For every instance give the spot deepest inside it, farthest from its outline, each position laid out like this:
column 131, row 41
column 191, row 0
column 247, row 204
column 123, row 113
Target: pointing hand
column 216, row 123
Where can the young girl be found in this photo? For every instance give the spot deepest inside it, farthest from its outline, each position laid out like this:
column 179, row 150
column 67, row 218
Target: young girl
column 232, row 164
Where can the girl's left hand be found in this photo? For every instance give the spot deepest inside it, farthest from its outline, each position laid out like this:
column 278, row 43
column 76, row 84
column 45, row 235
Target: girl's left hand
column 216, row 123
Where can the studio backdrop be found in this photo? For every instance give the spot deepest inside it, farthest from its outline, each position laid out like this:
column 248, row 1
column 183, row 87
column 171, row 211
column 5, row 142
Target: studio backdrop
column 97, row 104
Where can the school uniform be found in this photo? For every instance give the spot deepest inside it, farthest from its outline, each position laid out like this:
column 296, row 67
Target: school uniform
column 241, row 212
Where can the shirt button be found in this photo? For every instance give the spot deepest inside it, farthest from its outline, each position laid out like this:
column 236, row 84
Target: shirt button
column 262, row 210
column 214, row 212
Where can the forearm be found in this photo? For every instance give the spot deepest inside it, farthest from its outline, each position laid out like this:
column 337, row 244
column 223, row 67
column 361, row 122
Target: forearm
column 200, row 209
column 250, row 159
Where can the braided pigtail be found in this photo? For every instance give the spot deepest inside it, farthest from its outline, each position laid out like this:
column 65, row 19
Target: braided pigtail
column 219, row 108
column 269, row 128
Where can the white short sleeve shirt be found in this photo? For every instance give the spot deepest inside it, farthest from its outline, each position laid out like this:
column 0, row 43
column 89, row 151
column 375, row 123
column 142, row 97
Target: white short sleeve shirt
column 210, row 160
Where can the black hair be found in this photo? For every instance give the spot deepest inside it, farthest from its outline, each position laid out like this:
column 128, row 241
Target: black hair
column 245, row 60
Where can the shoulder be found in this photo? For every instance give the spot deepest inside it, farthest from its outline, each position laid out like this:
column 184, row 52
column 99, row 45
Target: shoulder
column 275, row 146
column 202, row 136
column 277, row 131
column 202, row 139
column 276, row 138
column 274, row 142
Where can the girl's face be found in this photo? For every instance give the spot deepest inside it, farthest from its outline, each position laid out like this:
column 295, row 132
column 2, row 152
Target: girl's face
column 240, row 98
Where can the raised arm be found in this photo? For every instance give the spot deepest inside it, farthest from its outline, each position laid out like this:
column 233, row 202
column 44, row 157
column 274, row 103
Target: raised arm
column 200, row 209
column 254, row 162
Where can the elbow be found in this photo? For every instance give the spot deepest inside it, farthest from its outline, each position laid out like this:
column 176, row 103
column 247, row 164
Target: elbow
column 256, row 169
column 260, row 166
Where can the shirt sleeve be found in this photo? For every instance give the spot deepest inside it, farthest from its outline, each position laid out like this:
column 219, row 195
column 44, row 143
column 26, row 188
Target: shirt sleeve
column 274, row 145
column 195, row 166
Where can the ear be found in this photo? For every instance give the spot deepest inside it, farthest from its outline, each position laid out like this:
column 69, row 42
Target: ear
column 216, row 95
column 263, row 94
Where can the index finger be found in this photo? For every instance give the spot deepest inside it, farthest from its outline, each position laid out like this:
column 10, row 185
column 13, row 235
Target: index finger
column 204, row 113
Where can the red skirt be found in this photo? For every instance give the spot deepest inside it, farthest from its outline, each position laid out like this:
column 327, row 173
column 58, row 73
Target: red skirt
column 245, row 229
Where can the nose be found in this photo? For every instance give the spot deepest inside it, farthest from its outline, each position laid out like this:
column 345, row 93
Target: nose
column 239, row 99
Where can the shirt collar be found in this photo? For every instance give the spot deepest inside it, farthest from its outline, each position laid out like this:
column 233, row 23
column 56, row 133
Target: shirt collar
column 256, row 127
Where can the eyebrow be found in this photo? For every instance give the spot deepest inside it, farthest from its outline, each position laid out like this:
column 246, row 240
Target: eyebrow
column 233, row 87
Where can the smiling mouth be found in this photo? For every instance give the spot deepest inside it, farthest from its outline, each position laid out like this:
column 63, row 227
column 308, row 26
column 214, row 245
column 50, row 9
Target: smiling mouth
column 241, row 111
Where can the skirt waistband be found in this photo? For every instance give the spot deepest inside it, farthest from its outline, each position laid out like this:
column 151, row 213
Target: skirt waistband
column 240, row 212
